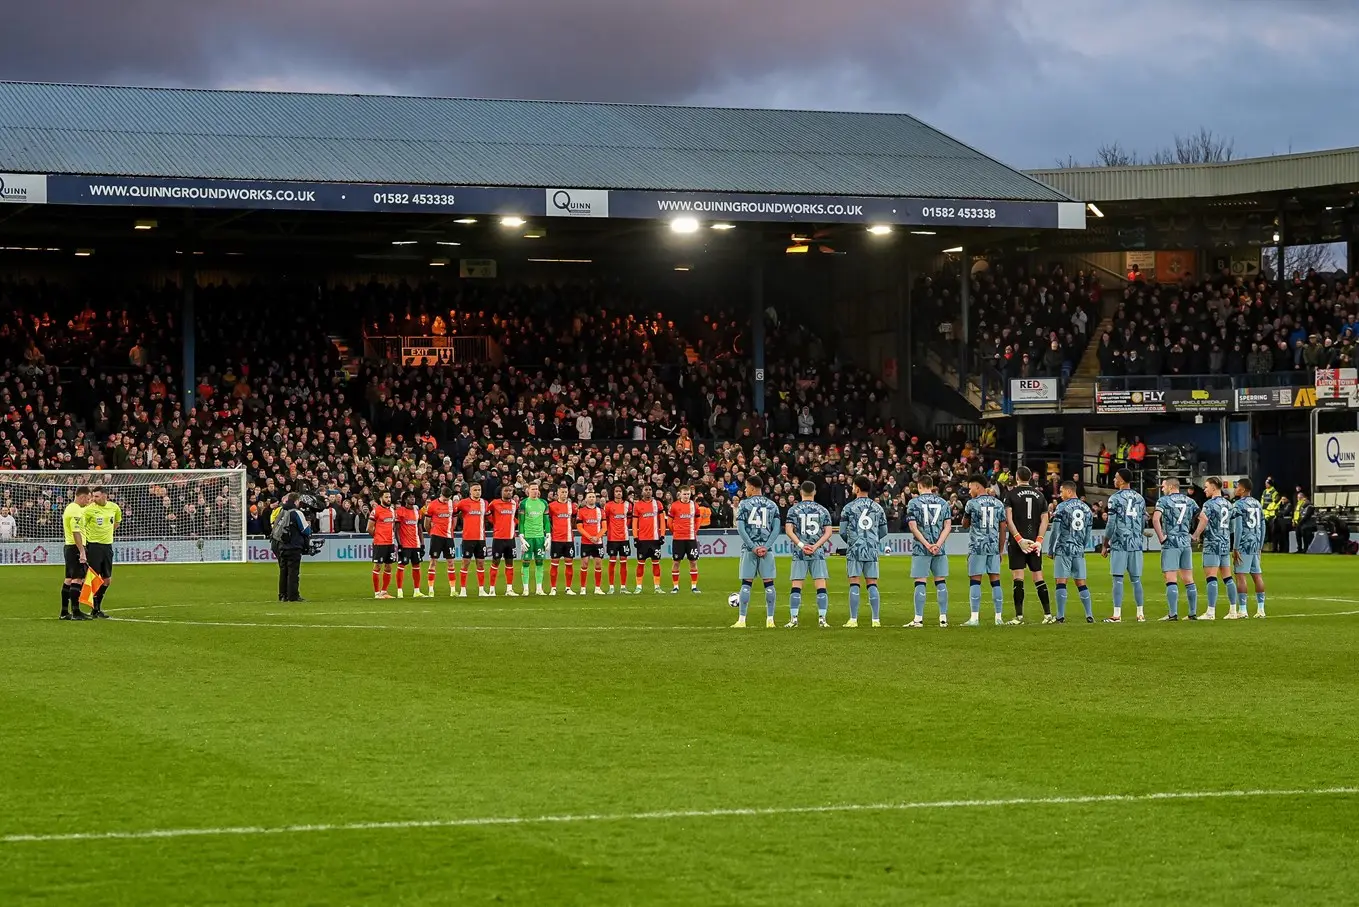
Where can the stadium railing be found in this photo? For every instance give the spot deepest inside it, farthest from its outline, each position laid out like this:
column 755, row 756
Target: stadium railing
column 1201, row 382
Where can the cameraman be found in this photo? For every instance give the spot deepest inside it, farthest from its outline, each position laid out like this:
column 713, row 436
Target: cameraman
column 291, row 536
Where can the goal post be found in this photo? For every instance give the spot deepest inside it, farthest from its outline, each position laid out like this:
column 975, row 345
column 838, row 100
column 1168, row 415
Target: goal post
column 170, row 516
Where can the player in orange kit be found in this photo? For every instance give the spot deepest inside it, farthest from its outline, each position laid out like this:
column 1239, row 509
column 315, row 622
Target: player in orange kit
column 382, row 526
column 410, row 544
column 590, row 523
column 441, row 517
column 504, row 535
column 684, row 522
column 473, row 510
column 618, row 521
column 561, row 515
column 648, row 522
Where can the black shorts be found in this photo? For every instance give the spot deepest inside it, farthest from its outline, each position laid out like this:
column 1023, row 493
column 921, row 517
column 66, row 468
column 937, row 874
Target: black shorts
column 74, row 568
column 561, row 550
column 473, row 551
column 619, row 549
column 502, row 549
column 440, row 547
column 648, row 551
column 384, row 554
column 1022, row 561
column 412, row 555
column 100, row 559
column 680, row 549
column 587, row 551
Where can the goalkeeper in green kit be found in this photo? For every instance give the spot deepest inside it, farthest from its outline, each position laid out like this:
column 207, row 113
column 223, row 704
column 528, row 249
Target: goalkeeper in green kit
column 533, row 534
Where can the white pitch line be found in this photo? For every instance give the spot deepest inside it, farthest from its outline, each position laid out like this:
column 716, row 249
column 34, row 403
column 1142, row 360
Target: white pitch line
column 748, row 811
column 421, row 627
column 1320, row 614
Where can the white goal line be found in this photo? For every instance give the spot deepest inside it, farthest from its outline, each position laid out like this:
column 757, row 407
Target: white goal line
column 653, row 815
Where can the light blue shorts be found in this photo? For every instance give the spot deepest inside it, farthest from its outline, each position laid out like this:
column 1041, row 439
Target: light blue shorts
column 980, row 564
column 813, row 569
column 1069, row 566
column 866, row 569
column 935, row 565
column 1126, row 563
column 1173, row 559
column 1249, row 563
column 1217, row 559
column 752, row 566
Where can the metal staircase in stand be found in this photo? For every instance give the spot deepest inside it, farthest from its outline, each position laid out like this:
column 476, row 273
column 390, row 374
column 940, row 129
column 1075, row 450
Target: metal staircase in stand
column 349, row 361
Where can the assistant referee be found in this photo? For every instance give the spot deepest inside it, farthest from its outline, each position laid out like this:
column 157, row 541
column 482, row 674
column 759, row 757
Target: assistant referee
column 73, row 530
column 101, row 518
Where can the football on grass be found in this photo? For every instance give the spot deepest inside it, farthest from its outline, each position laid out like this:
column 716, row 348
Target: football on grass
column 734, row 599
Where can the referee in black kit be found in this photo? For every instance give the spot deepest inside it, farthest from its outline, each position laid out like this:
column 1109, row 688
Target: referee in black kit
column 1026, row 513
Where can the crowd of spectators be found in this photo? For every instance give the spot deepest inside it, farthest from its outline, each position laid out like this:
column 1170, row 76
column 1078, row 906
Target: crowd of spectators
column 1231, row 326
column 584, row 389
column 1023, row 325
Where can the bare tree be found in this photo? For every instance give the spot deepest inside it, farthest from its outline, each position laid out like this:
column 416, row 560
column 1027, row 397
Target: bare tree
column 1202, row 147
column 1320, row 257
column 1113, row 154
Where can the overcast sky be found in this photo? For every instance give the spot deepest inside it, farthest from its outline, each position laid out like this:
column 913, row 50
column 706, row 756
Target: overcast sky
column 1028, row 81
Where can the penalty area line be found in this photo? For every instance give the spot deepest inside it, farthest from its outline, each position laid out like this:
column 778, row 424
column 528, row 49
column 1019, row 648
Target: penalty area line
column 654, row 815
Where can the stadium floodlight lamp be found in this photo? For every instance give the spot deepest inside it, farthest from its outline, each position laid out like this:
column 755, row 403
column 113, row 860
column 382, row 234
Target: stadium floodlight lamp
column 404, row 242
column 954, row 251
column 923, row 232
column 684, row 225
column 880, row 229
column 512, row 221
column 438, row 262
column 144, row 225
column 444, row 242
column 465, row 220
column 84, row 253
column 683, row 268
column 724, row 226
column 1276, row 237
column 1094, row 209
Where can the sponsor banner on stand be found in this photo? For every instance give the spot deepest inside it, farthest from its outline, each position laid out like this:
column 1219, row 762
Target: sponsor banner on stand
column 1033, row 390
column 23, row 189
column 1210, row 402
column 1337, row 459
column 577, row 202
column 1114, row 402
column 1259, row 399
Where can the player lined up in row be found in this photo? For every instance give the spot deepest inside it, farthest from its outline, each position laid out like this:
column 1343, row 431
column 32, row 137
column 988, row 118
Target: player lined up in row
column 1232, row 534
column 533, row 531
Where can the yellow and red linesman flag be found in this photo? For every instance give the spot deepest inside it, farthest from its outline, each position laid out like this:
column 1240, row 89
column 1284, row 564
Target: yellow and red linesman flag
column 93, row 583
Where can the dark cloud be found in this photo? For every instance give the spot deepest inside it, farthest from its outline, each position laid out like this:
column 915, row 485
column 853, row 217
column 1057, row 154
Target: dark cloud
column 621, row 50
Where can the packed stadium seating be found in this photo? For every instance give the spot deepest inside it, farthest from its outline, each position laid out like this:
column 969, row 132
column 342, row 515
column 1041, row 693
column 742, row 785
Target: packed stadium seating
column 1229, row 327
column 584, row 388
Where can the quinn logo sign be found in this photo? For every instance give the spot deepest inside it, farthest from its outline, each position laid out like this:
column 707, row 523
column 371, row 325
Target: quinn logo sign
column 577, row 203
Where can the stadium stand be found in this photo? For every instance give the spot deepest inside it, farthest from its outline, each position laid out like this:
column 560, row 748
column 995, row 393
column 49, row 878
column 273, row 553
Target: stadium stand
column 581, row 387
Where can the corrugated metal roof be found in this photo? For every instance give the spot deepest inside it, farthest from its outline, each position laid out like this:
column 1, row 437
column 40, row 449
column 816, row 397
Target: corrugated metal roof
column 361, row 138
column 1248, row 176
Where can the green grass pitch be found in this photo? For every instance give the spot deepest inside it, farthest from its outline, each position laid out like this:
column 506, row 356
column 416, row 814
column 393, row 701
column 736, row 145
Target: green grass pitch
column 213, row 746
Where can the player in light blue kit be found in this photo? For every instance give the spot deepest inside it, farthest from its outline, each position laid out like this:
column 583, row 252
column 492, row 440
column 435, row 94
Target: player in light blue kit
column 984, row 518
column 808, row 527
column 1173, row 521
column 1072, row 535
column 929, row 518
column 1124, row 542
column 863, row 528
column 757, row 522
column 1215, row 528
column 1248, row 528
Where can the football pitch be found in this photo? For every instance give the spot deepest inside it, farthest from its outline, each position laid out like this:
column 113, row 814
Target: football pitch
column 211, row 745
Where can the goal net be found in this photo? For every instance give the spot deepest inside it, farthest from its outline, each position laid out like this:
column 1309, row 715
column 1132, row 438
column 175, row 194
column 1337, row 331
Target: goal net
column 170, row 516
